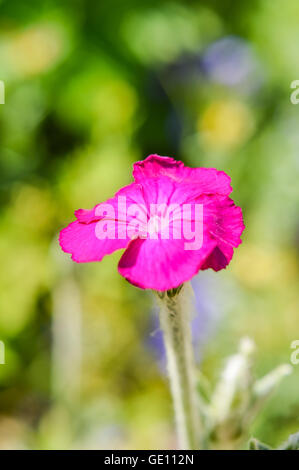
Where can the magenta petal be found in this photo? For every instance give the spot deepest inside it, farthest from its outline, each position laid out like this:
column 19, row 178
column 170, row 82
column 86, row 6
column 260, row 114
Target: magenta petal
column 81, row 241
column 225, row 224
column 161, row 264
column 133, row 195
column 85, row 216
column 209, row 180
column 103, row 229
column 217, row 260
column 164, row 188
column 156, row 166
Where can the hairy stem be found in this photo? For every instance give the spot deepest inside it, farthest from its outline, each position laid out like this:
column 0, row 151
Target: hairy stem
column 175, row 324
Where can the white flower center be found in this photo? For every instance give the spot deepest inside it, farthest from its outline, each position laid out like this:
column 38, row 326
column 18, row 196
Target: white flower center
column 154, row 225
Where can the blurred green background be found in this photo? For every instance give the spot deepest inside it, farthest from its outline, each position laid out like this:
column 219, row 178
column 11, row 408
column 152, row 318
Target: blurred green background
column 91, row 87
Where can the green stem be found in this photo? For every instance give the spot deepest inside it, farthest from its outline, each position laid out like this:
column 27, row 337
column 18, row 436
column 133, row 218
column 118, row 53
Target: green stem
column 175, row 324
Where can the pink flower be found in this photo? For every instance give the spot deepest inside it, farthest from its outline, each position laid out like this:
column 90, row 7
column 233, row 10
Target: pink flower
column 160, row 252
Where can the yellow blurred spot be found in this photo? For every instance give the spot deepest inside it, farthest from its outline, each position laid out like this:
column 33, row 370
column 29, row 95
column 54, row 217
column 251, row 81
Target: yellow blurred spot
column 260, row 266
column 36, row 49
column 33, row 209
column 226, row 124
column 114, row 103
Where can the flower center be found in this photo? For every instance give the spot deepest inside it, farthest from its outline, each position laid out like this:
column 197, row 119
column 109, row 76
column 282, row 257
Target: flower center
column 154, row 225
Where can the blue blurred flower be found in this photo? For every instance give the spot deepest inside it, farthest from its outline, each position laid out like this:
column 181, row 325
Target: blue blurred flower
column 231, row 61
